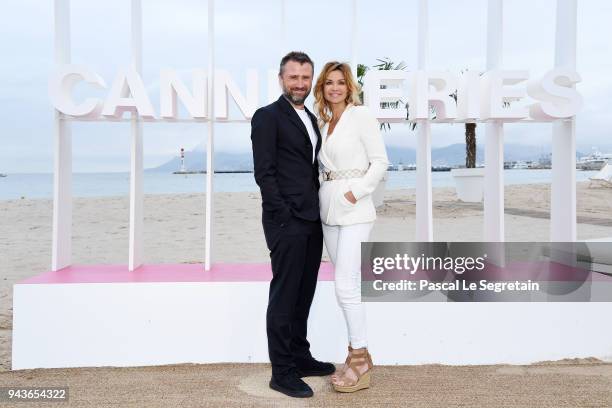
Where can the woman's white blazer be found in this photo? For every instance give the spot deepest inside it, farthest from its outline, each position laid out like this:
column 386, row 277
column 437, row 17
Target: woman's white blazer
column 355, row 143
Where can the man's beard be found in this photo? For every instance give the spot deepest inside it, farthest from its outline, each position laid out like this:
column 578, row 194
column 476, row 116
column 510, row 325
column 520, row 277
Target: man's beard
column 296, row 100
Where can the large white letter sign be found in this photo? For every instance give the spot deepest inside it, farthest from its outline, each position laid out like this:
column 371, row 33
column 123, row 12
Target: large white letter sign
column 558, row 97
column 374, row 95
column 479, row 98
column 429, row 88
column 417, row 99
column 128, row 93
column 495, row 94
column 224, row 85
column 171, row 87
column 62, row 82
column 468, row 96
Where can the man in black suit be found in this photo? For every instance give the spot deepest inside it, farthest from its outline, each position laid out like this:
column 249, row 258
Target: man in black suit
column 286, row 141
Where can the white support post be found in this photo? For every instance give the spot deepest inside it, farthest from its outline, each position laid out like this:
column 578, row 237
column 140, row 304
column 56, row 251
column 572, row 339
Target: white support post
column 136, row 157
column 61, row 253
column 209, row 145
column 424, row 212
column 424, row 200
column 283, row 29
column 353, row 45
column 494, row 133
column 563, row 188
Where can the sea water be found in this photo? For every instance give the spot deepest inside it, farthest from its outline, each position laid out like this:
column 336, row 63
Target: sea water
column 40, row 185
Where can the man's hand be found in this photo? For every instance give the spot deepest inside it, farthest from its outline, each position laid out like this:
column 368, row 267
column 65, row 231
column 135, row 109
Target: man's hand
column 349, row 196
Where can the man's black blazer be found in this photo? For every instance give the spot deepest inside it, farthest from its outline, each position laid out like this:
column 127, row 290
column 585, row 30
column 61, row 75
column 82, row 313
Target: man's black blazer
column 283, row 163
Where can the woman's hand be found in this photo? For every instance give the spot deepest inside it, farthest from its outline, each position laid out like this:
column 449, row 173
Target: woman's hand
column 350, row 197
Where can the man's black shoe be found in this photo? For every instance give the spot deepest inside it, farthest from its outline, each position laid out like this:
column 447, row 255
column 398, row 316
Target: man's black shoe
column 291, row 385
column 312, row 367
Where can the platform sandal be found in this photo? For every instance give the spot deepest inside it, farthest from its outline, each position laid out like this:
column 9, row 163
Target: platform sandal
column 356, row 375
column 340, row 370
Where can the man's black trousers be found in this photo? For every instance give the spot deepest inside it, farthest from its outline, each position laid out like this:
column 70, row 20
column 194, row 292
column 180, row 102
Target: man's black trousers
column 295, row 251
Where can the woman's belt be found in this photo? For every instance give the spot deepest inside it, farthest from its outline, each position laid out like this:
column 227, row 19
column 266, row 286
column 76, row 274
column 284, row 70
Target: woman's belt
column 342, row 174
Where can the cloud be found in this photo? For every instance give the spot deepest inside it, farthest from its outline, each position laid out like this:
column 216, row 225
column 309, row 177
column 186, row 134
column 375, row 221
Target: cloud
column 247, row 35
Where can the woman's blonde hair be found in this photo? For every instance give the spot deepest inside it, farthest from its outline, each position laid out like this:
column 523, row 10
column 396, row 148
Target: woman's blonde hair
column 321, row 106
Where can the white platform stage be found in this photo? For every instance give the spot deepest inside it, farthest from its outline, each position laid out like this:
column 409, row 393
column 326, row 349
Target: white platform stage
column 166, row 314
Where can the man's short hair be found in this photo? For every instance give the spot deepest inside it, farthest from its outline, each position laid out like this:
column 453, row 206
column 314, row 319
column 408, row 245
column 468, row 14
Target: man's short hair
column 296, row 56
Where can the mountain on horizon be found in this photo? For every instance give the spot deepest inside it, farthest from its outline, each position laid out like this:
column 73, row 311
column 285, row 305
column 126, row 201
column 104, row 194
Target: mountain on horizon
column 452, row 155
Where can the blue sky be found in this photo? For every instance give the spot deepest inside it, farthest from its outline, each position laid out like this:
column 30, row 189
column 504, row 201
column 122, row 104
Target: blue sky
column 247, row 35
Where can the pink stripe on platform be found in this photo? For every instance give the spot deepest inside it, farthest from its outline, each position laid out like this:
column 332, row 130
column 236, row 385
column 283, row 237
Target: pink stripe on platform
column 221, row 272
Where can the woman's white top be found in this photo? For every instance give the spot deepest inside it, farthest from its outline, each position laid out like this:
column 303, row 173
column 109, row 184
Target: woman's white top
column 355, row 143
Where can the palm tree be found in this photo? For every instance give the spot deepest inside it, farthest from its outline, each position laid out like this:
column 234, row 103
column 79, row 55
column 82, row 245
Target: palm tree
column 470, row 145
column 470, row 135
column 470, row 140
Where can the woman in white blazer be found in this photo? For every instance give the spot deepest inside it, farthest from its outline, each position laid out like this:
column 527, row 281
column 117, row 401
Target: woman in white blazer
column 353, row 160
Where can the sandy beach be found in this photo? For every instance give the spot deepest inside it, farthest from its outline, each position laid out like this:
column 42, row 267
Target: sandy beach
column 174, row 233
